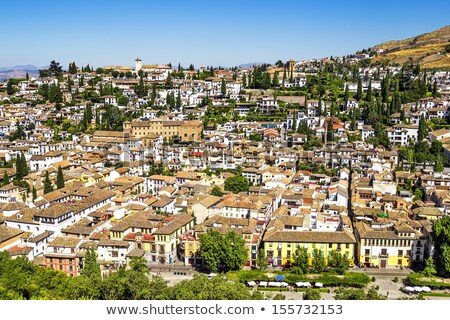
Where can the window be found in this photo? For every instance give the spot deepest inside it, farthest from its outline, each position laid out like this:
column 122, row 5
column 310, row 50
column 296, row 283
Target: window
column 114, row 254
column 400, row 253
column 347, row 245
column 367, row 252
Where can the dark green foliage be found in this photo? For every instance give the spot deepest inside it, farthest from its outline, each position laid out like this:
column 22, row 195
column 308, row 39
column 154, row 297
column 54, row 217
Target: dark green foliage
column 18, row 134
column 359, row 90
column 441, row 238
column 236, row 184
column 357, row 294
column 216, row 191
column 223, row 88
column 48, row 187
column 72, row 68
column 311, row 294
column 261, row 260
column 300, row 263
column 255, row 137
column 318, row 261
column 60, row 179
column 21, row 167
column 338, row 262
column 5, row 179
column 9, row 87
column 227, row 252
column 216, row 288
column 54, row 70
column 422, row 132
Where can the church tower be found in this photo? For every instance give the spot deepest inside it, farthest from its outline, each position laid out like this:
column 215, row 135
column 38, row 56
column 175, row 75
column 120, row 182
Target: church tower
column 138, row 64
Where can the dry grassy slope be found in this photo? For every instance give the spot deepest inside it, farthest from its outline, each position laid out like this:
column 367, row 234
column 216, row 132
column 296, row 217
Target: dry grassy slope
column 427, row 49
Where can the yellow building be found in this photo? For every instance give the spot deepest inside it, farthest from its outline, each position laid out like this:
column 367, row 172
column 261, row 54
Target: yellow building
column 279, row 246
column 167, row 237
column 389, row 245
column 188, row 131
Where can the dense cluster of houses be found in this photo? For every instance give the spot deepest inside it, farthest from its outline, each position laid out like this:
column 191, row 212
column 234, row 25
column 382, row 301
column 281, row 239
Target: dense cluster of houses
column 146, row 191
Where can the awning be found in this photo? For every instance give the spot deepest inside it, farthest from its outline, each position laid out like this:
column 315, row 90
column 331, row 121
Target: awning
column 263, row 284
column 251, row 283
column 318, row 285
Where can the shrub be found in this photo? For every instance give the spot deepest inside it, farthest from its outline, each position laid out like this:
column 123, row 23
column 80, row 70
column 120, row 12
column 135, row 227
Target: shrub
column 395, row 279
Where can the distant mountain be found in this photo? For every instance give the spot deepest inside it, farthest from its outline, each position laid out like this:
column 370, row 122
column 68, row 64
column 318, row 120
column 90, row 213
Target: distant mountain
column 19, row 71
column 251, row 64
column 27, row 67
column 430, row 50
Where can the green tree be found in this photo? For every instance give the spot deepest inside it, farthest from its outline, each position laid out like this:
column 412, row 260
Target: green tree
column 422, row 132
column 418, row 194
column 330, row 131
column 73, row 68
column 223, row 88
column 5, row 180
column 21, row 167
column 275, row 80
column 48, row 187
column 318, row 261
column 216, row 191
column 236, row 184
column 122, row 101
column 311, row 294
column 34, row 194
column 339, row 262
column 60, row 178
column 439, row 164
column 216, row 288
column 359, row 90
column 139, row 264
column 429, row 269
column 225, row 251
column 300, row 263
column 168, row 83
column 350, row 294
column 261, row 260
column 10, row 87
column 441, row 239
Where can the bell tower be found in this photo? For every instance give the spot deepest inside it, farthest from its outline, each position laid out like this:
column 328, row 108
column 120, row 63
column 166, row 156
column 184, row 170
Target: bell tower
column 138, row 64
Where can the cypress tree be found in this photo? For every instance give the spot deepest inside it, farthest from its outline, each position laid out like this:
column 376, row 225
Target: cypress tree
column 223, row 88
column 60, row 179
column 369, row 92
column 319, row 108
column 330, row 130
column 276, row 80
column 48, row 187
column 5, row 180
column 359, row 90
column 244, row 80
column 422, row 132
column 34, row 193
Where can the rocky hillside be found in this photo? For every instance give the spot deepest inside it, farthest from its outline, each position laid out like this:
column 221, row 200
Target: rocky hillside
column 430, row 50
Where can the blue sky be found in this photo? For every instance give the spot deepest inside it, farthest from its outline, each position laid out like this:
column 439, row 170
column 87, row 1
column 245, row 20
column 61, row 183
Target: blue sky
column 225, row 33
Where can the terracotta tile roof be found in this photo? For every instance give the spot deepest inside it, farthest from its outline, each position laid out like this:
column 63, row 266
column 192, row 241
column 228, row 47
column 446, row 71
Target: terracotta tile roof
column 7, row 233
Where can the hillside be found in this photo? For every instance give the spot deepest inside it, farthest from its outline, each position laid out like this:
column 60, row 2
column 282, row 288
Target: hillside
column 427, row 49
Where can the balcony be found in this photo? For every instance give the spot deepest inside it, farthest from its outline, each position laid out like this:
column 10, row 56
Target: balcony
column 383, row 255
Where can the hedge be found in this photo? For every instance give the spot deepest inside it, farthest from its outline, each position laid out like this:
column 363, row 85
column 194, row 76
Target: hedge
column 418, row 279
